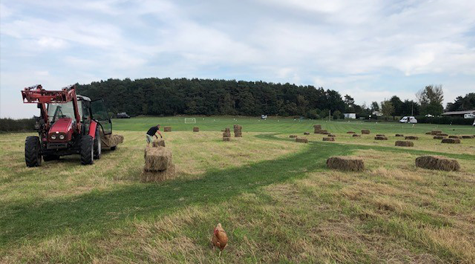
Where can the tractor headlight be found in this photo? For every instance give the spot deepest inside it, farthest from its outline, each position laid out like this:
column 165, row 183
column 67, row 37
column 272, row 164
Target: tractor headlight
column 53, row 137
column 61, row 136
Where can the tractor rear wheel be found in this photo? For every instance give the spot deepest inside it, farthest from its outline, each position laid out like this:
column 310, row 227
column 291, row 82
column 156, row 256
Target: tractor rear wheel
column 32, row 151
column 97, row 145
column 50, row 157
column 87, row 150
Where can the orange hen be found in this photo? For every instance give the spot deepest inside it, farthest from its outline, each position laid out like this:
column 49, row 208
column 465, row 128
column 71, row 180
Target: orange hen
column 219, row 239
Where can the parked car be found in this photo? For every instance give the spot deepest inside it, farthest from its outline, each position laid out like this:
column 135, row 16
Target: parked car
column 123, row 115
column 408, row 119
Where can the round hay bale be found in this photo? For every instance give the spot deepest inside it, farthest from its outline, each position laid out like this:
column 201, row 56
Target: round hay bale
column 399, row 135
column 454, row 137
column 438, row 137
column 404, row 144
column 350, row 132
column 451, row 140
column 306, row 133
column 293, row 136
column 158, row 176
column 365, row 132
column 437, row 163
column 380, row 138
column 345, row 163
column 158, row 143
column 467, row 137
column 167, row 129
column 356, row 135
column 301, row 140
column 196, row 129
column 331, row 135
column 157, row 159
column 226, row 138
column 411, row 138
column 329, row 139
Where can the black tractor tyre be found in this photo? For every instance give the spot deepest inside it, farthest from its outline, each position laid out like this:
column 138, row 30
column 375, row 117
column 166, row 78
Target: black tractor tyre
column 50, row 157
column 97, row 145
column 32, row 151
column 113, row 148
column 87, row 150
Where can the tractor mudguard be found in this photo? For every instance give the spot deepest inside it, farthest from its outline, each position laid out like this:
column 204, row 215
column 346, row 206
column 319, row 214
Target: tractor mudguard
column 92, row 129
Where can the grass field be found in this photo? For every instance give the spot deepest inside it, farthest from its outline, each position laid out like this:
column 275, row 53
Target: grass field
column 275, row 198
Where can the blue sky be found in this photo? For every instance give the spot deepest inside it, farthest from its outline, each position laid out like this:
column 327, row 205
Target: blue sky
column 370, row 49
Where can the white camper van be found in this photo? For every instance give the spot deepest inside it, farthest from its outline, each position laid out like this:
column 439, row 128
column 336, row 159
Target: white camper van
column 408, row 119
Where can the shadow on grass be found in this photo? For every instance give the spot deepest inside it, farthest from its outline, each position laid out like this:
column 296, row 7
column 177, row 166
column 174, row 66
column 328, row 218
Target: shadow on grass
column 102, row 210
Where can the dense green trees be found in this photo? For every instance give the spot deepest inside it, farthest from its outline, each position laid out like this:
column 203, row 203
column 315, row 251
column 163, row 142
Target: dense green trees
column 431, row 98
column 167, row 96
column 462, row 103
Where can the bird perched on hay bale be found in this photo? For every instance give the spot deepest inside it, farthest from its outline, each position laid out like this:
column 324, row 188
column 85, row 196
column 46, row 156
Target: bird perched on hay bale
column 451, row 141
column 411, row 138
column 345, row 163
column 437, row 163
column 301, row 140
column 219, row 238
column 365, row 131
column 404, row 144
column 329, row 139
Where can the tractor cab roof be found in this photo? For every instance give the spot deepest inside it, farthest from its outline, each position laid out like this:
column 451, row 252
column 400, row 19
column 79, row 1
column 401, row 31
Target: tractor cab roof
column 83, row 98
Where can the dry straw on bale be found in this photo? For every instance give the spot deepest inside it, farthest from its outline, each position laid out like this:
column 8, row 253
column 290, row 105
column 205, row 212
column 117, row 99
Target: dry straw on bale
column 108, row 141
column 329, row 139
column 365, row 131
column 167, row 129
column 227, row 132
column 237, row 131
column 437, row 163
column 399, row 135
column 454, row 137
column 293, row 136
column 404, row 144
column 301, row 140
column 196, row 129
column 411, row 138
column 345, row 163
column 356, row 135
column 158, row 143
column 316, row 129
column 439, row 137
column 157, row 159
column 380, row 138
column 158, row 176
column 467, row 137
column 451, row 140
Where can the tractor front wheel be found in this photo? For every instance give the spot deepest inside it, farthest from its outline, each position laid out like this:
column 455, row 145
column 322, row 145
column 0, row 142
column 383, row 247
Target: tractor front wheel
column 32, row 151
column 87, row 150
column 50, row 157
column 97, row 145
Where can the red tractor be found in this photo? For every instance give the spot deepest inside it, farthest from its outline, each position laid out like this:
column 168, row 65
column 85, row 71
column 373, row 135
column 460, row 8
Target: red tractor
column 68, row 124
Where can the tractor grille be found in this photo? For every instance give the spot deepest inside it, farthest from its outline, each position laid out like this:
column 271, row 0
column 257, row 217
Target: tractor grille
column 57, row 145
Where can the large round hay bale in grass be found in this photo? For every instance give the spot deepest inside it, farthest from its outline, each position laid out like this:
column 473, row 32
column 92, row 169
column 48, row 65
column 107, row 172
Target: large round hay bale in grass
column 301, row 140
column 411, row 138
column 404, row 144
column 365, row 132
column 329, row 139
column 451, row 141
column 380, row 138
column 157, row 159
column 345, row 163
column 158, row 143
column 437, row 163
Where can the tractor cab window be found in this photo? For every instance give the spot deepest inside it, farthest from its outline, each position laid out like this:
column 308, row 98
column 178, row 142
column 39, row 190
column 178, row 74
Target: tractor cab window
column 57, row 111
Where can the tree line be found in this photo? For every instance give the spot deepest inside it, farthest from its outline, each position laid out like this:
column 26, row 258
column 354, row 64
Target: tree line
column 155, row 96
